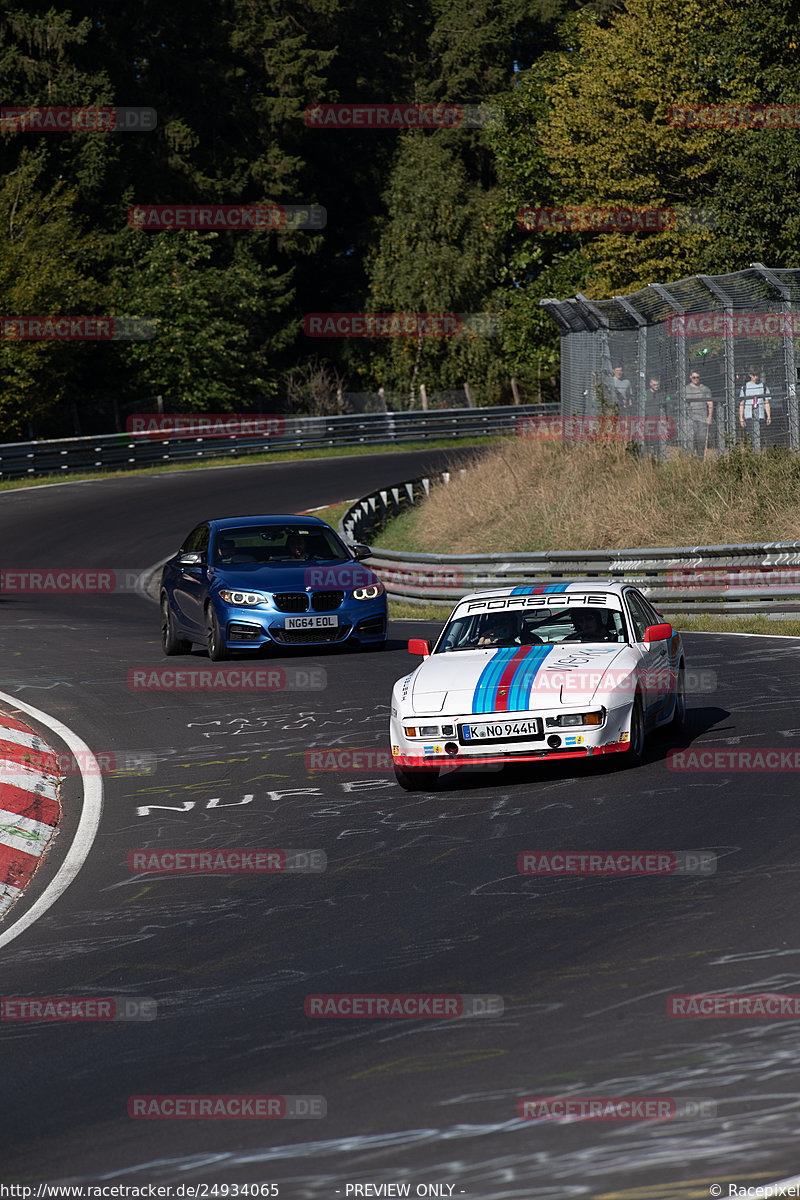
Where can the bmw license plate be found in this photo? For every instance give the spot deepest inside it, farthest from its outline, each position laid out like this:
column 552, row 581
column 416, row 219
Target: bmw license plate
column 501, row 731
column 311, row 622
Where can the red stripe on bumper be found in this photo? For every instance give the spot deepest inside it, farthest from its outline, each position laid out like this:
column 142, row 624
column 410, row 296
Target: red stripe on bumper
column 459, row 760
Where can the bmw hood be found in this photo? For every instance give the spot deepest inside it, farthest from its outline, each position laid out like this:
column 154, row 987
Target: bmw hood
column 294, row 577
column 518, row 679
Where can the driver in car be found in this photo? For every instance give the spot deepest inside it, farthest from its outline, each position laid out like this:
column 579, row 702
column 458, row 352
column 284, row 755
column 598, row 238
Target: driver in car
column 588, row 625
column 502, row 631
column 296, row 545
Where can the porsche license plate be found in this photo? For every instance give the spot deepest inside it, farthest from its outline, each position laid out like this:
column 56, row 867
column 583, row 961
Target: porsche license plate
column 501, row 731
column 311, row 622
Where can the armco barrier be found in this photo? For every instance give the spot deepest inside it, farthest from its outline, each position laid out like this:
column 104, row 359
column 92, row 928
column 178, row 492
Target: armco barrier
column 125, row 451
column 734, row 580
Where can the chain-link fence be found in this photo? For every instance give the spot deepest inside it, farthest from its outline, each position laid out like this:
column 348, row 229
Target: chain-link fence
column 701, row 365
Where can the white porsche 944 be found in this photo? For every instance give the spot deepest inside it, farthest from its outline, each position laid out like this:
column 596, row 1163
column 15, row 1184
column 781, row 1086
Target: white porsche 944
column 560, row 670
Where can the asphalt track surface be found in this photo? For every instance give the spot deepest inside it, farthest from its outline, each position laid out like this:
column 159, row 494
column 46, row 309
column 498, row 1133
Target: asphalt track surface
column 421, row 895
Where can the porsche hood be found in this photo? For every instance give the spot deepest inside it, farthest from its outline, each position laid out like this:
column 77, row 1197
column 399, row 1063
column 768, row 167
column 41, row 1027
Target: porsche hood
column 518, row 679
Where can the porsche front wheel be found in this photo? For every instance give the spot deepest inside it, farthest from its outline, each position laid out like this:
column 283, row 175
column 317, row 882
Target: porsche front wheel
column 634, row 756
column 416, row 781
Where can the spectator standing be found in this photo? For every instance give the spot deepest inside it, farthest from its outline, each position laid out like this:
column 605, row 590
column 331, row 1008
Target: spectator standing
column 701, row 411
column 655, row 415
column 754, row 407
column 623, row 391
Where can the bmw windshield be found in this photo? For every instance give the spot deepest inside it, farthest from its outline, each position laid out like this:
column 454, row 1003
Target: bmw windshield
column 282, row 544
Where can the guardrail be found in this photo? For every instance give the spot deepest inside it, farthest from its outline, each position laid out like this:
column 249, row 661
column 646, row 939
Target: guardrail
column 737, row 579
column 121, row 451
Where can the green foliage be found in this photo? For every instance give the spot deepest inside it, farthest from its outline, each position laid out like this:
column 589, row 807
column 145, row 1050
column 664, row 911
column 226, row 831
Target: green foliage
column 417, row 221
column 204, row 354
column 438, row 251
column 44, row 256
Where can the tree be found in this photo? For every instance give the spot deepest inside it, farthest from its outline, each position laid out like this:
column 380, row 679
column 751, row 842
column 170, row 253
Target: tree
column 209, row 351
column 437, row 252
column 46, row 258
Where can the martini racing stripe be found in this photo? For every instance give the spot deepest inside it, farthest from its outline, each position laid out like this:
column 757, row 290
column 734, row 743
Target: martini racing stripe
column 485, row 695
column 542, row 589
column 501, row 699
column 519, row 693
column 506, row 681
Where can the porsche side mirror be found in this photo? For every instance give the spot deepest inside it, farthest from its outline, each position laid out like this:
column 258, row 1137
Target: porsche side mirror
column 419, row 646
column 658, row 633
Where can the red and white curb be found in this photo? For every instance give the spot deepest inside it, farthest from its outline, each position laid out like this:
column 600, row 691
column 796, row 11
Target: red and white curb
column 29, row 806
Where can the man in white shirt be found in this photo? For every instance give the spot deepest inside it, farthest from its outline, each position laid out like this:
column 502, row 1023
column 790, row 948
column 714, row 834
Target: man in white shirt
column 754, row 406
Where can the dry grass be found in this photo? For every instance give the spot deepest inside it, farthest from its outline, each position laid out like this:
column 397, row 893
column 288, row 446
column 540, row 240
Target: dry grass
column 523, row 495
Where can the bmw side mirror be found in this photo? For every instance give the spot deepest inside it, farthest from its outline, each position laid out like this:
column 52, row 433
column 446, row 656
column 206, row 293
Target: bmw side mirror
column 360, row 551
column 190, row 559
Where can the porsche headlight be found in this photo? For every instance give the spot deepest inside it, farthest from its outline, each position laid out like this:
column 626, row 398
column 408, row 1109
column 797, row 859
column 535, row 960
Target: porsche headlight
column 568, row 720
column 371, row 592
column 241, row 599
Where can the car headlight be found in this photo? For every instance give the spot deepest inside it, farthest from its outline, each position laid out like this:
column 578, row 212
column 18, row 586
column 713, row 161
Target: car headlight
column 241, row 599
column 371, row 592
column 567, row 720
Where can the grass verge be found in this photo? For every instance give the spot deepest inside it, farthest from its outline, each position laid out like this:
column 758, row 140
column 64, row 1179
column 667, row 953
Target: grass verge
column 522, row 496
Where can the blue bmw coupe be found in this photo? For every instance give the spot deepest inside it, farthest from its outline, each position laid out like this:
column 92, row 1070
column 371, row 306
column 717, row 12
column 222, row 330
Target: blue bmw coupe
column 245, row 583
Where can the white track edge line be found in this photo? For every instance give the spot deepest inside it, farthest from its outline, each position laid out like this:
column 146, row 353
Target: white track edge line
column 88, row 823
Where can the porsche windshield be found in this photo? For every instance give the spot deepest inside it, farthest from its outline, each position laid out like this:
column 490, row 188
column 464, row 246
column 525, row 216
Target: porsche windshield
column 527, row 627
column 277, row 544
